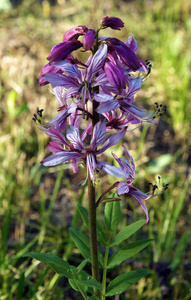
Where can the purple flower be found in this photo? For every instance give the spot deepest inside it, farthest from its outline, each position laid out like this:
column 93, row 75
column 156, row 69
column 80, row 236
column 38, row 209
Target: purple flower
column 74, row 33
column 112, row 22
column 62, row 50
column 77, row 149
column 89, row 39
column 80, row 83
column 127, row 172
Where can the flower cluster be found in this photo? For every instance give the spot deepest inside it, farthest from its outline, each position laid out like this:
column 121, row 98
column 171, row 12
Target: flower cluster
column 100, row 90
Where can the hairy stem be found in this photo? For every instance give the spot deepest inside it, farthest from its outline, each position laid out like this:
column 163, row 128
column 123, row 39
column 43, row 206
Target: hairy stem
column 105, row 268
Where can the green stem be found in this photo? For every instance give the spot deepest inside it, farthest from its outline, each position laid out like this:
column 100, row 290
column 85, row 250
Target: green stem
column 105, row 268
column 93, row 233
column 79, row 286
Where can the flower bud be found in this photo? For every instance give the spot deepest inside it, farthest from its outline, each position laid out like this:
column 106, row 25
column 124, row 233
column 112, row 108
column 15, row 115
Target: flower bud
column 112, row 22
column 62, row 50
column 74, row 33
column 89, row 39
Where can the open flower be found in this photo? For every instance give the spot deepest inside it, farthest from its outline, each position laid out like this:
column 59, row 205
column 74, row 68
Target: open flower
column 127, row 172
column 80, row 83
column 76, row 149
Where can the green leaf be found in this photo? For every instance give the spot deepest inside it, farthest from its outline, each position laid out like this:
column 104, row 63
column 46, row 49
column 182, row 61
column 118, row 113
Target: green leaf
column 74, row 285
column 91, row 283
column 82, row 265
column 47, row 258
column 59, row 265
column 81, row 242
column 127, row 232
column 94, row 298
column 122, row 282
column 84, row 214
column 85, row 280
column 112, row 215
column 127, row 251
column 101, row 236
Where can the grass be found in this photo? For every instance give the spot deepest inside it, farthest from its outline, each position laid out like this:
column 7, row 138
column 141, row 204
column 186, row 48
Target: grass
column 36, row 205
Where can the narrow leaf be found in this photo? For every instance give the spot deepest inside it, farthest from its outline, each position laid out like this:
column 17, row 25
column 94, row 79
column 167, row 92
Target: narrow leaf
column 49, row 259
column 127, row 252
column 82, row 265
column 127, row 232
column 81, row 242
column 112, row 215
column 91, row 283
column 94, row 298
column 73, row 285
column 101, row 236
column 122, row 282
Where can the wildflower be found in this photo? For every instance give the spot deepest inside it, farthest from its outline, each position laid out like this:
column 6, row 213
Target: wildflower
column 127, row 172
column 77, row 149
column 79, row 82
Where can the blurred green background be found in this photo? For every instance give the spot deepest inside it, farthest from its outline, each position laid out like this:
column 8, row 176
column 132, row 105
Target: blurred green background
column 37, row 204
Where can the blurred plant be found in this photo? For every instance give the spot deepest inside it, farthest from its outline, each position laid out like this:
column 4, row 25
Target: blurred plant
column 99, row 93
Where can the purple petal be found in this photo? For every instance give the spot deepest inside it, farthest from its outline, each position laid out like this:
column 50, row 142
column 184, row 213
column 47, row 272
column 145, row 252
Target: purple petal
column 87, row 131
column 137, row 194
column 75, row 165
column 97, row 62
column 91, row 165
column 59, row 158
column 56, row 136
column 112, row 170
column 98, row 135
column 68, row 68
column 73, row 135
column 132, row 44
column 74, row 33
column 112, row 140
column 140, row 114
column 135, row 86
column 115, row 76
column 62, row 80
column 62, row 50
column 125, row 53
column 47, row 69
column 108, row 106
column 129, row 156
column 123, row 188
column 55, row 147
